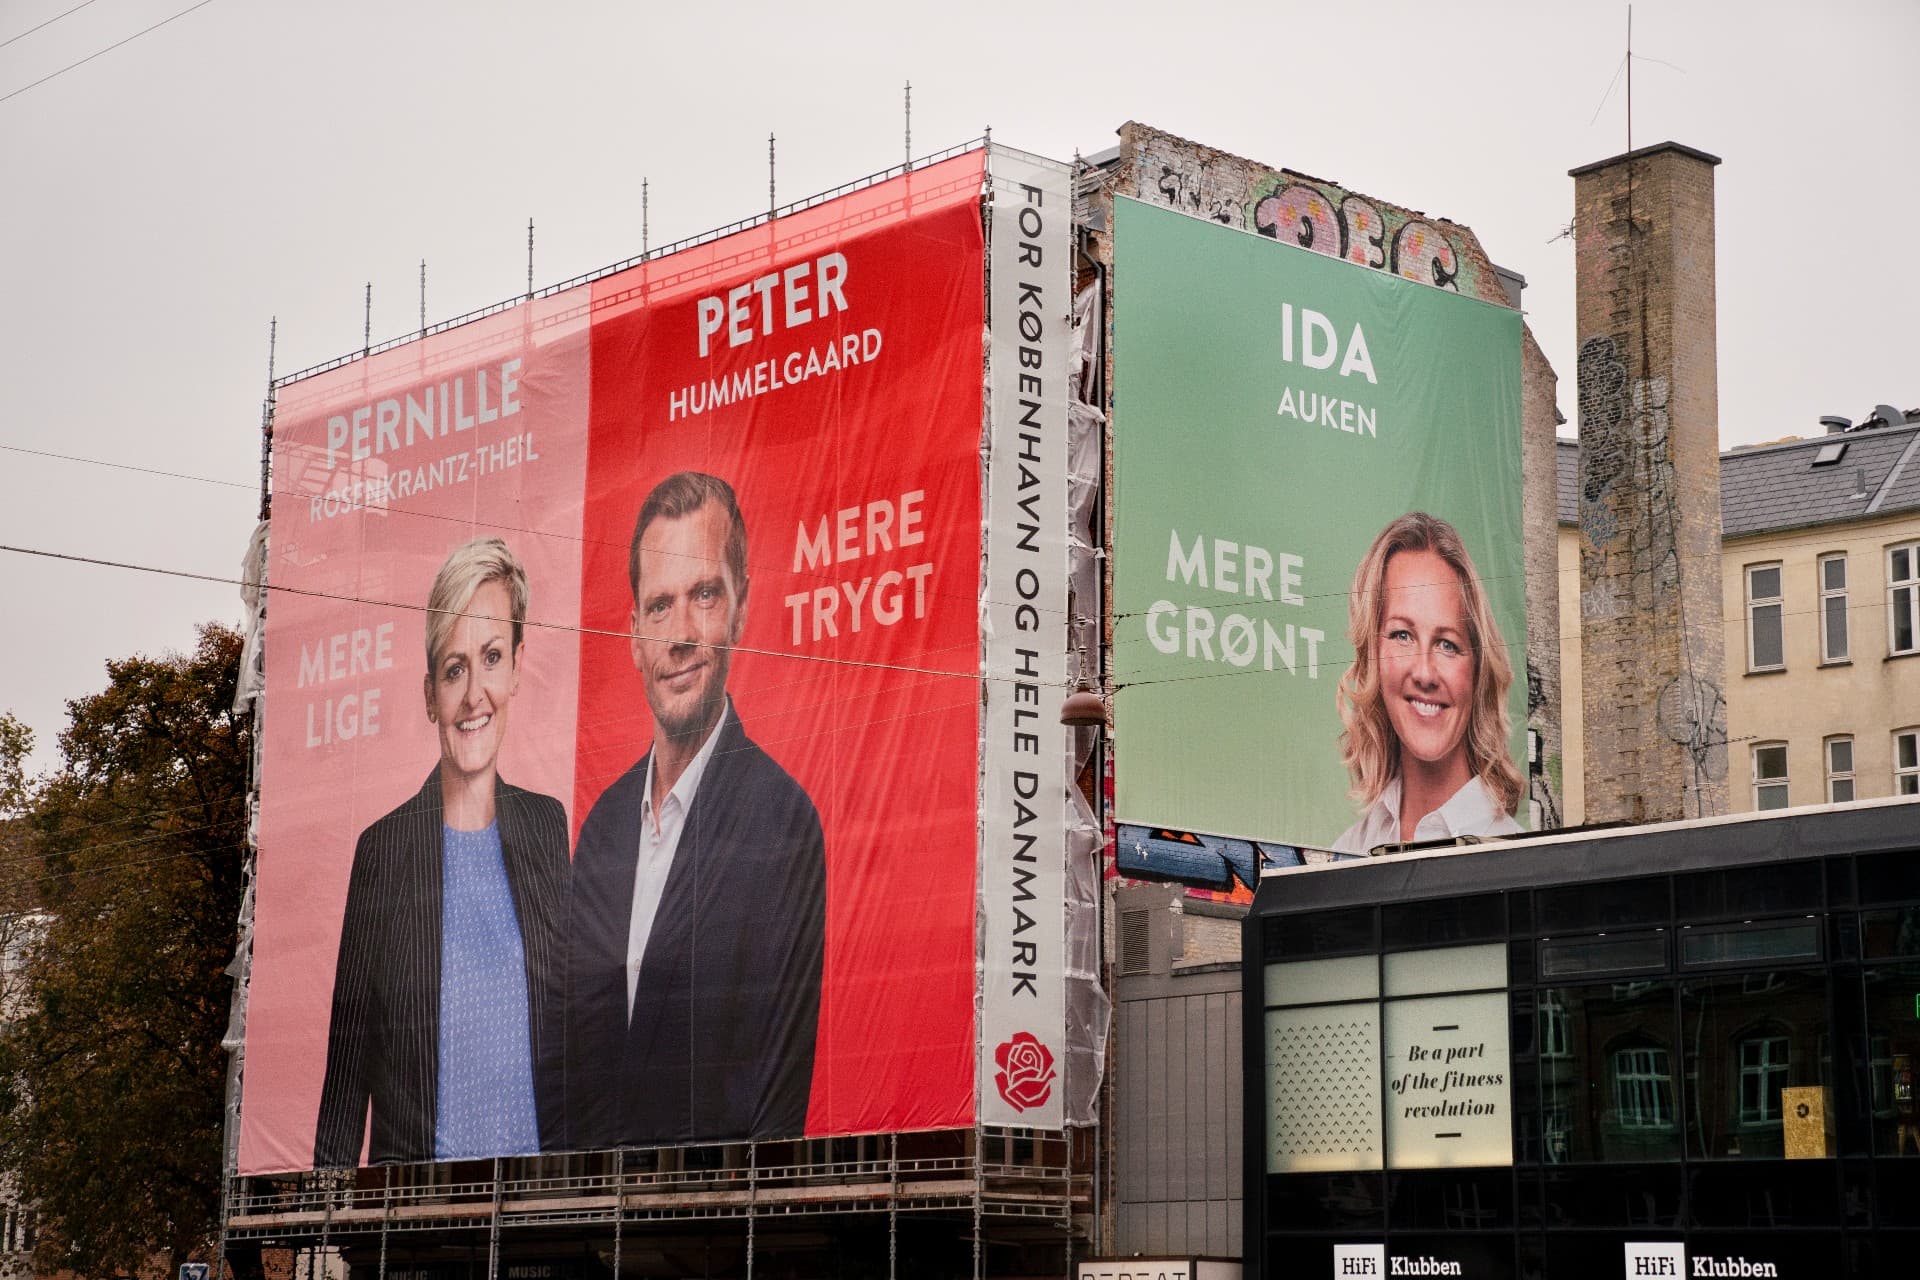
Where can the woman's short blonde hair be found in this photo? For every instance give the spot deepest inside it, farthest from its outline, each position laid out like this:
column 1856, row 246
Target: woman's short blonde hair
column 1368, row 745
column 469, row 567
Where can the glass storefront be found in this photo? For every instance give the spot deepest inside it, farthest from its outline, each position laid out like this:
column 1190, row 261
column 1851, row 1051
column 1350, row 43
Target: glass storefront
column 1710, row 1067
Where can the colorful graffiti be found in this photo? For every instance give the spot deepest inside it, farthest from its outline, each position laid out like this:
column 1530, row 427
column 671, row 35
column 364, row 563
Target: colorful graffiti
column 1322, row 218
column 1356, row 231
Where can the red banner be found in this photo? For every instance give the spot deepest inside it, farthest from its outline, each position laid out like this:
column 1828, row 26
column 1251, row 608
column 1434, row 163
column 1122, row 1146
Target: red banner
column 620, row 767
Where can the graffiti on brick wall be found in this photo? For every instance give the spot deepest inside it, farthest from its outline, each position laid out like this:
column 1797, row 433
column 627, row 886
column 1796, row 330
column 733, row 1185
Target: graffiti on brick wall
column 1322, row 218
column 1630, row 548
column 1540, row 783
column 1693, row 713
column 1628, row 509
column 1198, row 188
column 1356, row 230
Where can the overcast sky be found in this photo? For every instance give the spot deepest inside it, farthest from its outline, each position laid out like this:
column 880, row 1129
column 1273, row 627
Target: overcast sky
column 251, row 160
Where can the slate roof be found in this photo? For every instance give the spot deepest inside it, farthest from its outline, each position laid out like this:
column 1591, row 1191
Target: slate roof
column 1775, row 487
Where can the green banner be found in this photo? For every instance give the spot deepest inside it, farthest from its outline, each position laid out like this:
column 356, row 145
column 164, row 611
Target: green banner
column 1275, row 411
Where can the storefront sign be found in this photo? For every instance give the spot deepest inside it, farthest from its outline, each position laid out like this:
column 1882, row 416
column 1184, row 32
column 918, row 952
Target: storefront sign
column 1365, row 1260
column 1450, row 1093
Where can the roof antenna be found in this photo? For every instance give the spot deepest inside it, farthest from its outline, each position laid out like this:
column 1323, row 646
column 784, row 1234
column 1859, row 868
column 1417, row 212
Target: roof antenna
column 643, row 217
column 423, row 297
column 909, row 158
column 1629, row 77
column 366, row 332
column 529, row 257
column 772, row 203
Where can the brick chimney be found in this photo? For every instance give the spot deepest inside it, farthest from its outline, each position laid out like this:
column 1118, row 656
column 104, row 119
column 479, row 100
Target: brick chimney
column 1653, row 648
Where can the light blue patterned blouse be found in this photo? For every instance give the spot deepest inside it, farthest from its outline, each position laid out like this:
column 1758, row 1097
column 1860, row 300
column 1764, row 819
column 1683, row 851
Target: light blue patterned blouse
column 486, row 1104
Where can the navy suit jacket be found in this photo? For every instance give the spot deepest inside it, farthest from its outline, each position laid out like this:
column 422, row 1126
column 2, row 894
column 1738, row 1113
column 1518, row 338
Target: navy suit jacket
column 720, row 1043
column 383, row 1045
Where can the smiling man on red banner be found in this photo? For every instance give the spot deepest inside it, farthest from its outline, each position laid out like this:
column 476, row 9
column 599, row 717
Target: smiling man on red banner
column 697, row 917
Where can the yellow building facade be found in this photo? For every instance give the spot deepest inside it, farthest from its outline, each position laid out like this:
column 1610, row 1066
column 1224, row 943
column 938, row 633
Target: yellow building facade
column 1820, row 579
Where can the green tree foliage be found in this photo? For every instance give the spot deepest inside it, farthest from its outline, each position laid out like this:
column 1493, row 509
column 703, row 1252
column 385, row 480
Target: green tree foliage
column 16, row 742
column 112, row 1078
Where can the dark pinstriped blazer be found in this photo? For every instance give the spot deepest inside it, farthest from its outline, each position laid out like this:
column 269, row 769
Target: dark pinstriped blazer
column 384, row 1043
column 721, row 1041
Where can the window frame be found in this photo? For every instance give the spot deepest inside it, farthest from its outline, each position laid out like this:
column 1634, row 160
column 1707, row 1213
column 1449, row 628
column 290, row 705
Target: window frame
column 1760, row 1073
column 1903, row 596
column 1776, row 602
column 1909, row 775
column 1827, row 595
column 1770, row 782
column 1643, row 1092
column 1835, row 775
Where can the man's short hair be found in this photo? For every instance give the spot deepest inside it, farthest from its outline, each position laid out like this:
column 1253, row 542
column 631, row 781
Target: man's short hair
column 682, row 494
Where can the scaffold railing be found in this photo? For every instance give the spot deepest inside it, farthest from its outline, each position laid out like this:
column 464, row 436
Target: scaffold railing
column 1008, row 1174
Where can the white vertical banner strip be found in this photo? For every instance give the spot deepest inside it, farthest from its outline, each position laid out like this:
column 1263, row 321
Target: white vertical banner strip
column 1024, row 780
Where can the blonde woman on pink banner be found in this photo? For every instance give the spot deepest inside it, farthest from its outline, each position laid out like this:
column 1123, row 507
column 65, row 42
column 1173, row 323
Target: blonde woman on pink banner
column 450, row 944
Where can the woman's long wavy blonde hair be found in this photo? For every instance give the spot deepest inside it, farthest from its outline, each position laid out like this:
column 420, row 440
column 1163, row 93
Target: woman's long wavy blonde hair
column 1368, row 745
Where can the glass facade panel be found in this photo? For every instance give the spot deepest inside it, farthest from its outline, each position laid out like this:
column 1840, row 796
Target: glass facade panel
column 1414, row 973
column 1613, row 1096
column 1579, row 957
column 1893, row 1046
column 1323, row 981
column 1747, row 1037
column 1799, row 941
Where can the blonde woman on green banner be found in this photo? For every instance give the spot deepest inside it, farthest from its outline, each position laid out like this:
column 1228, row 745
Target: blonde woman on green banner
column 1424, row 704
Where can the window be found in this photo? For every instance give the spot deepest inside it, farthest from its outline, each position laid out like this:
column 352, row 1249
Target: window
column 1770, row 775
column 1880, row 1071
column 1765, row 649
column 1763, row 1072
column 1642, row 1088
column 1839, row 770
column 1906, row 762
column 1833, row 608
column 1903, row 598
column 1556, row 1032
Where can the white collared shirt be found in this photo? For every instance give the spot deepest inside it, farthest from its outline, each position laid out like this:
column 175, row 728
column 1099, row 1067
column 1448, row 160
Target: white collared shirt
column 659, row 839
column 1470, row 811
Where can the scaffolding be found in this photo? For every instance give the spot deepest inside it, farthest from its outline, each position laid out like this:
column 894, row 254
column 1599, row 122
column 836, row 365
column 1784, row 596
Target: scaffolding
column 994, row 1193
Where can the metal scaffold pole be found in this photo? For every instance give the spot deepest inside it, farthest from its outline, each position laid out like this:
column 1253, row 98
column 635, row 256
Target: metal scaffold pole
column 753, row 1199
column 386, row 1220
column 619, row 1204
column 979, row 1193
column 493, row 1227
column 326, row 1221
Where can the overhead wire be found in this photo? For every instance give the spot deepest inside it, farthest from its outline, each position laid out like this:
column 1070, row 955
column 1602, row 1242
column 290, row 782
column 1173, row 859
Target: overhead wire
column 1558, row 571
column 98, row 52
column 49, row 22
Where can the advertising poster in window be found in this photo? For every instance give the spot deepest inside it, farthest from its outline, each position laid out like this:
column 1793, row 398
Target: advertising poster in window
column 1319, row 629
column 622, row 750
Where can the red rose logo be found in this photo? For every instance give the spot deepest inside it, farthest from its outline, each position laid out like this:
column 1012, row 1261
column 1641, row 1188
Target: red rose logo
column 1025, row 1078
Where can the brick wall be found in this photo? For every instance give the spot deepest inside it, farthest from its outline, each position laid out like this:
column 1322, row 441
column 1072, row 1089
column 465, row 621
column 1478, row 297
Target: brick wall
column 1652, row 664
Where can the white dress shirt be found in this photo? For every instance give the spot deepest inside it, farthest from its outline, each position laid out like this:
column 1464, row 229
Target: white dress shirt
column 659, row 839
column 1470, row 811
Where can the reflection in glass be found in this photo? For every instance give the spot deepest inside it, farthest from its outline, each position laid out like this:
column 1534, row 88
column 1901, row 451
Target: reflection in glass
column 1642, row 1088
column 1748, row 1037
column 1607, row 1087
column 1893, row 1038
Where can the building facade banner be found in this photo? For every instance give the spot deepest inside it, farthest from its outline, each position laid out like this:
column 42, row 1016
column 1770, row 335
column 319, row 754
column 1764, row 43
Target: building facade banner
column 1023, row 756
column 1319, row 629
column 620, row 773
